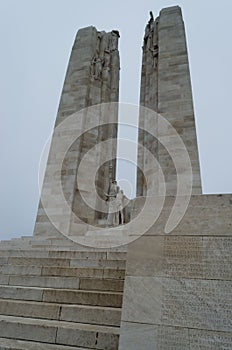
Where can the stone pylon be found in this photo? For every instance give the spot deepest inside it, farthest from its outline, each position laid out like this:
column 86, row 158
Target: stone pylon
column 166, row 89
column 92, row 78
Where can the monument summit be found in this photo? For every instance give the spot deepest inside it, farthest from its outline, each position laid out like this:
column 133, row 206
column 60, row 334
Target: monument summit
column 102, row 271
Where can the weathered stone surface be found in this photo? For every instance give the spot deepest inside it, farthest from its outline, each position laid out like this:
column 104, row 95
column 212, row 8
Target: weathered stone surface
column 23, row 293
column 15, row 344
column 142, row 336
column 21, row 270
column 135, row 336
column 166, row 256
column 72, row 272
column 47, row 282
column 117, row 264
column 95, row 337
column 29, row 309
column 4, row 279
column 142, row 300
column 91, row 314
column 11, row 327
column 208, row 340
column 206, row 215
column 83, row 297
column 102, row 284
column 38, row 261
column 202, row 304
column 217, row 257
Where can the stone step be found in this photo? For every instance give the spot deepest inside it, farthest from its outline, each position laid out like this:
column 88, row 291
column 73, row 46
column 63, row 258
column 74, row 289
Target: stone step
column 4, row 279
column 83, row 272
column 65, row 242
column 82, row 283
column 92, row 255
column 3, row 261
column 15, row 344
column 118, row 264
column 46, row 282
column 38, row 261
column 56, row 244
column 62, row 271
column 38, row 253
column 67, row 296
column 49, row 247
column 107, row 316
column 59, row 332
column 106, row 284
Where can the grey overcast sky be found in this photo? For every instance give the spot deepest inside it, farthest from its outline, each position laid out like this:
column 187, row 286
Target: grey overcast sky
column 36, row 39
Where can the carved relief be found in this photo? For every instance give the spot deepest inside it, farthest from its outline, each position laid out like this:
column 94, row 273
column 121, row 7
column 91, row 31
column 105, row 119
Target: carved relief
column 96, row 67
column 101, row 63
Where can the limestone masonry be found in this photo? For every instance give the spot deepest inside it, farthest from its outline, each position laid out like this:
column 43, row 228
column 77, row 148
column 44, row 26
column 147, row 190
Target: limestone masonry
column 161, row 292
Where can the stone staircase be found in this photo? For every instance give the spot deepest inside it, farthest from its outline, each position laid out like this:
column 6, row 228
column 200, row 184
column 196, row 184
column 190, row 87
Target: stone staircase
column 59, row 295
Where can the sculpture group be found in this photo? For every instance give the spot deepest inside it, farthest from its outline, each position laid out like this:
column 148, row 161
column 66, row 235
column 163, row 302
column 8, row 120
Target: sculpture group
column 116, row 205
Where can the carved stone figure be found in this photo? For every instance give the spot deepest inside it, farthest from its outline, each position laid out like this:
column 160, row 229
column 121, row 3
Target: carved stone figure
column 106, row 74
column 106, row 66
column 151, row 17
column 99, row 37
column 113, row 42
column 112, row 218
column 120, row 206
column 98, row 67
column 155, row 52
column 149, row 30
column 107, row 59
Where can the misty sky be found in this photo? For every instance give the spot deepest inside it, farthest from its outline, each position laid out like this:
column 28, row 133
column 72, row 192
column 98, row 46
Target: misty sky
column 36, row 41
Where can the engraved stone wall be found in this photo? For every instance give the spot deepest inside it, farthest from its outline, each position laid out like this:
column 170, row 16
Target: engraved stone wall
column 178, row 286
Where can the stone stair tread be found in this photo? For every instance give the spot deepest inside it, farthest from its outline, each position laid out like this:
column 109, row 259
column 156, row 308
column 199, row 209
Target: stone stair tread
column 59, row 324
column 60, row 248
column 62, row 290
column 90, row 314
column 60, row 271
column 64, row 296
column 64, row 282
column 84, row 307
column 44, row 281
column 59, row 332
column 62, row 262
column 52, row 253
column 15, row 344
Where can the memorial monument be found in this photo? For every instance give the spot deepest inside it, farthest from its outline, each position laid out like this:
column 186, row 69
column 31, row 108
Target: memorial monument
column 167, row 289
